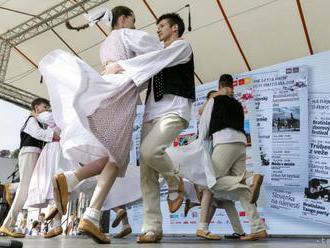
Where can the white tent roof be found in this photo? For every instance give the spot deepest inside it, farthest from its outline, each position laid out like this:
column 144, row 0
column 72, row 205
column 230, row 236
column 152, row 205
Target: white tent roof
column 267, row 31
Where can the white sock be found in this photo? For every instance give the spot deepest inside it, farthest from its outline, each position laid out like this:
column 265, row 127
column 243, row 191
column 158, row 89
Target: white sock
column 71, row 179
column 173, row 196
column 203, row 226
column 93, row 215
column 149, row 233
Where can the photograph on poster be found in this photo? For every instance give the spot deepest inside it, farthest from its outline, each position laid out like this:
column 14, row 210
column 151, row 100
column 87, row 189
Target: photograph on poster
column 297, row 85
column 318, row 189
column 286, row 119
column 265, row 160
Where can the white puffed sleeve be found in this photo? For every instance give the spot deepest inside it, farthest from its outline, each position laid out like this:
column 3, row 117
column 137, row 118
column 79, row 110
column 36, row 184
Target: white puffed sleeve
column 143, row 67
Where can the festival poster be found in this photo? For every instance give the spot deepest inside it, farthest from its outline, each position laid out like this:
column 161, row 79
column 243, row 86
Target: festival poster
column 264, row 108
column 243, row 92
column 316, row 205
column 289, row 158
column 290, row 130
column 284, row 201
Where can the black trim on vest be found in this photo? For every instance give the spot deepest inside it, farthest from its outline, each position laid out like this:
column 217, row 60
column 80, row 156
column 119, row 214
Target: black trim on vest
column 27, row 139
column 227, row 112
column 177, row 80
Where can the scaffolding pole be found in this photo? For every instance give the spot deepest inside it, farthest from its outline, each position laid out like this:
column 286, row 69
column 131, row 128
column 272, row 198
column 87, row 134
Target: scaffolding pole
column 4, row 59
column 46, row 20
column 16, row 95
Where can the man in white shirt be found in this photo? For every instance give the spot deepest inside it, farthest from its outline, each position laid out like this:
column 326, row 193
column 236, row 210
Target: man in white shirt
column 33, row 136
column 167, row 113
column 225, row 123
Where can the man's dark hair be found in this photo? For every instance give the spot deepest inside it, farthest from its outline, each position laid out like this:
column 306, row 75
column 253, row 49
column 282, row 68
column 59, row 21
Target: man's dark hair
column 38, row 101
column 210, row 93
column 226, row 80
column 173, row 18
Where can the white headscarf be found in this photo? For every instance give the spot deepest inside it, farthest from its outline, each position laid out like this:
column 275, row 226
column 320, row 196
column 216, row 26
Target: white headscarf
column 101, row 14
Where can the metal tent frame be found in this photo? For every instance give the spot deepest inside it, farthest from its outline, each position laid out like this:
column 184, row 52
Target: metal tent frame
column 35, row 26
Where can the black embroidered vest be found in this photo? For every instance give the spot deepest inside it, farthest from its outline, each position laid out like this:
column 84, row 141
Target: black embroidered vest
column 28, row 140
column 178, row 80
column 227, row 113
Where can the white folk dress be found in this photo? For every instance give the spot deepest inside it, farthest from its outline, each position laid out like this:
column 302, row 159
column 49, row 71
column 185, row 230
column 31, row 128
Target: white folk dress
column 194, row 161
column 49, row 162
column 96, row 113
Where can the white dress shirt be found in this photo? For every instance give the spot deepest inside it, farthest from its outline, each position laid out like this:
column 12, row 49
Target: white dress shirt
column 179, row 52
column 169, row 104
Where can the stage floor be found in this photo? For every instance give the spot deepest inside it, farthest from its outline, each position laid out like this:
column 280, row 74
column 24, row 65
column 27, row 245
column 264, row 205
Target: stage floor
column 177, row 242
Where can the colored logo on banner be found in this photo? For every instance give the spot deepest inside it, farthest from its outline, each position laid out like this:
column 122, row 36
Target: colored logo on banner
column 242, row 81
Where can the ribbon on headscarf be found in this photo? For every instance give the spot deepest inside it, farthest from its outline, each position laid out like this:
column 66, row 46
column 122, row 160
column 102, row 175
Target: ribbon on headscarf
column 102, row 14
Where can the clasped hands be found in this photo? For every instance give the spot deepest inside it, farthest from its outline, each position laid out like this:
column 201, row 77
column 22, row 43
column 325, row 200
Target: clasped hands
column 111, row 68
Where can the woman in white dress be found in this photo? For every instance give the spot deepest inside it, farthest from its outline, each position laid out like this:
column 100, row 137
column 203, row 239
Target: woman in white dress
column 40, row 189
column 96, row 114
column 49, row 162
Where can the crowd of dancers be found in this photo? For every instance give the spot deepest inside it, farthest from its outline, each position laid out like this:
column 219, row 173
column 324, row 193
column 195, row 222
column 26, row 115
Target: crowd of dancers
column 83, row 144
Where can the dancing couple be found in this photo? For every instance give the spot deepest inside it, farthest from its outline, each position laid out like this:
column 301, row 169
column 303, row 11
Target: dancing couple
column 96, row 115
